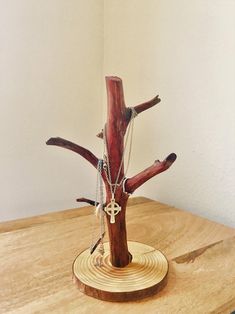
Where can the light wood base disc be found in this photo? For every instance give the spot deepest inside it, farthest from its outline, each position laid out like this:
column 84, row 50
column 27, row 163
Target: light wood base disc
column 143, row 277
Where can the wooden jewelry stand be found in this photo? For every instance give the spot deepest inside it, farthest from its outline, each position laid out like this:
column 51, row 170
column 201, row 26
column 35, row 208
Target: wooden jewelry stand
column 124, row 276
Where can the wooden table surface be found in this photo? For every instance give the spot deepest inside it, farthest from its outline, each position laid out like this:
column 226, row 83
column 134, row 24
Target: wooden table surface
column 36, row 256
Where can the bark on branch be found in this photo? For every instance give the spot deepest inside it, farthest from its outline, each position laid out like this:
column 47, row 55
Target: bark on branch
column 159, row 166
column 85, row 153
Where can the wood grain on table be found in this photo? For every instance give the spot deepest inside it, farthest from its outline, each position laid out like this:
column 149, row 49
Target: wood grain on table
column 37, row 255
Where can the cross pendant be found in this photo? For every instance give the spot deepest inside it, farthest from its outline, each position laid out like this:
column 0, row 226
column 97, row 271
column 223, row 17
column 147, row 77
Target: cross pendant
column 112, row 209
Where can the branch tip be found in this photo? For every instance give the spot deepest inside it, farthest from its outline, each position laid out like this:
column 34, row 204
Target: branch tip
column 100, row 135
column 158, row 166
column 171, row 158
column 148, row 104
column 86, row 200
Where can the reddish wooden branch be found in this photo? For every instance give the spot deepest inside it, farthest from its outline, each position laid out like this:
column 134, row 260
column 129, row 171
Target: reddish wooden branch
column 138, row 108
column 159, row 166
column 115, row 126
column 115, row 129
column 148, row 104
column 85, row 153
column 86, row 200
column 118, row 118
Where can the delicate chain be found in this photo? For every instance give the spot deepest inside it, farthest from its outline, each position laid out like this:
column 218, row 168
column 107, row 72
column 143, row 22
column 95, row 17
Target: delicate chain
column 113, row 186
column 100, row 214
column 99, row 199
column 99, row 184
column 99, row 204
column 133, row 115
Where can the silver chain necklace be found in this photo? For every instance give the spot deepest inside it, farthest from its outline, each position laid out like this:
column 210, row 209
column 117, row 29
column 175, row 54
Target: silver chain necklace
column 113, row 208
column 99, row 213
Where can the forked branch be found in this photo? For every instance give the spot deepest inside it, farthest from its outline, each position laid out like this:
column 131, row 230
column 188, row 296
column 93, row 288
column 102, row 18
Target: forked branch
column 138, row 108
column 159, row 166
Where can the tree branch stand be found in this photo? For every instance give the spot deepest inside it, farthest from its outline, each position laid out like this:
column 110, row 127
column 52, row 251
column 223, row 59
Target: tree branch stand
column 143, row 277
column 129, row 270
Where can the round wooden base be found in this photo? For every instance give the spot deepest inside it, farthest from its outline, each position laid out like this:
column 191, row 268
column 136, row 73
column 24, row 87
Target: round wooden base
column 143, row 277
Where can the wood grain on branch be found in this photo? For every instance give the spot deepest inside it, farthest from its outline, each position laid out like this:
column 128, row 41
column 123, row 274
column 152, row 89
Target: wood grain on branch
column 159, row 166
column 85, row 153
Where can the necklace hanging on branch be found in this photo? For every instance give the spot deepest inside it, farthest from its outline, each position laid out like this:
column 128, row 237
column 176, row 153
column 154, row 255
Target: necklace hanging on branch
column 110, row 171
column 113, row 208
column 99, row 213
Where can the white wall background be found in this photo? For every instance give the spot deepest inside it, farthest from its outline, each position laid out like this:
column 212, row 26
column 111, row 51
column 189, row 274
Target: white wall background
column 183, row 50
column 51, row 54
column 51, row 84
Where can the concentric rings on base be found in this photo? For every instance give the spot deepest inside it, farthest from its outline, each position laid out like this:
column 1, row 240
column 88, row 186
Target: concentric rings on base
column 143, row 277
